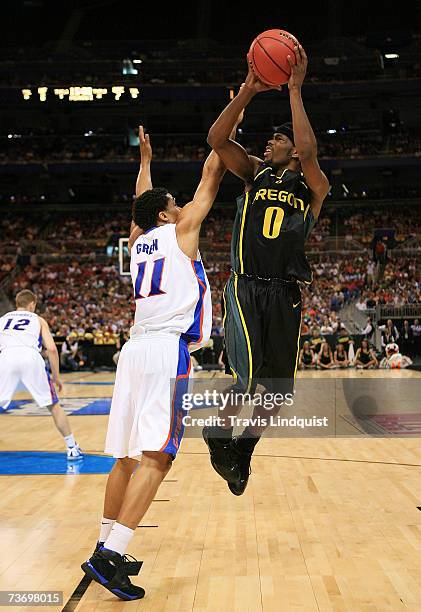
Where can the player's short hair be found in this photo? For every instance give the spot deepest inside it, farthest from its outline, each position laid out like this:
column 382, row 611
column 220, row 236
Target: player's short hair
column 147, row 207
column 24, row 298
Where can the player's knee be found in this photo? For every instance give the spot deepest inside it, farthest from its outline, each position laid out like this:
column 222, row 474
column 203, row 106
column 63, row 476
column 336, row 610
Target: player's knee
column 50, row 407
column 127, row 464
column 157, row 460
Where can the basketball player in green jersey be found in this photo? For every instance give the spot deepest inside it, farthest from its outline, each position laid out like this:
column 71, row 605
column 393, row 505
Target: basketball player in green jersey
column 283, row 195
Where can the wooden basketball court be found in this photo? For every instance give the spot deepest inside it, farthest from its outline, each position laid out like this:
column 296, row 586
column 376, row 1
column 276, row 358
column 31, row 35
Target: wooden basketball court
column 326, row 524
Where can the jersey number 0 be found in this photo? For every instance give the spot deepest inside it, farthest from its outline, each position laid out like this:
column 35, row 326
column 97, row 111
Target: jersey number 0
column 272, row 222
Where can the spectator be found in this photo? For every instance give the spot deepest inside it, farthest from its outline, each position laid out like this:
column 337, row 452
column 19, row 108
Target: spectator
column 390, row 334
column 365, row 357
column 325, row 360
column 316, row 340
column 416, row 334
column 340, row 357
column 326, row 327
column 407, row 339
column 306, row 360
column 368, row 330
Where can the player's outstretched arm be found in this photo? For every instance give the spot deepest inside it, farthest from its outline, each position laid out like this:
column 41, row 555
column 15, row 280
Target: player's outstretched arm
column 234, row 156
column 52, row 352
column 144, row 178
column 193, row 213
column 305, row 140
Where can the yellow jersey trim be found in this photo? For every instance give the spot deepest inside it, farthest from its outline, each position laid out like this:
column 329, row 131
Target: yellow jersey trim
column 261, row 172
column 243, row 322
column 298, row 352
column 225, row 307
column 240, row 246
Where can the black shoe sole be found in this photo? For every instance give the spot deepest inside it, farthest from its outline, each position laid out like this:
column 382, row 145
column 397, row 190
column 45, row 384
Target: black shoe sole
column 92, row 573
column 215, row 466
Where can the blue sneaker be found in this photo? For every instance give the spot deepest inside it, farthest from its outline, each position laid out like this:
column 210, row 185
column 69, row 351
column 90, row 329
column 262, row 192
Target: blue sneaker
column 112, row 571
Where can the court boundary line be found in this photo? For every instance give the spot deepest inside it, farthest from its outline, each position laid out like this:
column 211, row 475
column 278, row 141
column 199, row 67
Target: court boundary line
column 77, row 595
column 321, row 459
column 93, row 452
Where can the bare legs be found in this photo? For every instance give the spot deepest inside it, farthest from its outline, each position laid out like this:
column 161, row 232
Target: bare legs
column 60, row 419
column 130, row 491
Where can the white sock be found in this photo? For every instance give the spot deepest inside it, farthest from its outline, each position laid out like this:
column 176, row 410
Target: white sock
column 119, row 538
column 105, row 529
column 70, row 441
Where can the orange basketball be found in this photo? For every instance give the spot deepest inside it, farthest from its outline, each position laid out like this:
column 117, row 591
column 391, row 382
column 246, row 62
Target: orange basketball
column 268, row 56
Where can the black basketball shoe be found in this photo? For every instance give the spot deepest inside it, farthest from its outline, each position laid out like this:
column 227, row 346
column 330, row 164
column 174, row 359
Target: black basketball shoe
column 112, row 571
column 243, row 451
column 223, row 459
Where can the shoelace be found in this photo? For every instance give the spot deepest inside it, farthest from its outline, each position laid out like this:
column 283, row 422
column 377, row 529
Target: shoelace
column 131, row 565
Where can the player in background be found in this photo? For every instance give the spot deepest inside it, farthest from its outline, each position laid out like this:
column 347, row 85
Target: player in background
column 283, row 195
column 22, row 336
column 173, row 312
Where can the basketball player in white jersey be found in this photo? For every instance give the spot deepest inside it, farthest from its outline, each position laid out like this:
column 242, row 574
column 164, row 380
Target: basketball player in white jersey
column 173, row 312
column 22, row 336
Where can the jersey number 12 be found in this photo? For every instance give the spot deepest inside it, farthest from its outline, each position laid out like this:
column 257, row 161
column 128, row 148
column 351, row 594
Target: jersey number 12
column 19, row 325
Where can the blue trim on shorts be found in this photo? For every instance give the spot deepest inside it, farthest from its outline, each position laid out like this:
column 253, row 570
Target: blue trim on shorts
column 180, row 387
column 54, row 398
column 195, row 333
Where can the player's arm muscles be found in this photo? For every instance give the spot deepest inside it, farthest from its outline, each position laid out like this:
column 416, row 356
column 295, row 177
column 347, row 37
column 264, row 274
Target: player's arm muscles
column 306, row 145
column 144, row 179
column 51, row 350
column 191, row 216
column 220, row 138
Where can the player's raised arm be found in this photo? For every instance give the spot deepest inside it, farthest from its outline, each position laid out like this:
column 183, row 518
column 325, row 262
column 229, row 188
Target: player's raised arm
column 193, row 213
column 144, row 178
column 52, row 352
column 234, row 156
column 305, row 140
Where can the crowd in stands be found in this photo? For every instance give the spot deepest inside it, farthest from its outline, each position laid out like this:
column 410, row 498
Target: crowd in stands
column 14, row 229
column 202, row 62
column 91, row 303
column 83, row 297
column 88, row 296
column 103, row 148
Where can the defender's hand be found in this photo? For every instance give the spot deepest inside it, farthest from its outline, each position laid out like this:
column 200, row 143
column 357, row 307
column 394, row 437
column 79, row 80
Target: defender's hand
column 144, row 145
column 298, row 70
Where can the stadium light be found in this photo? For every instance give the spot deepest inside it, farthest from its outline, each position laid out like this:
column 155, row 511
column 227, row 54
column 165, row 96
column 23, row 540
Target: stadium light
column 391, row 56
column 137, row 61
column 331, row 131
column 127, row 67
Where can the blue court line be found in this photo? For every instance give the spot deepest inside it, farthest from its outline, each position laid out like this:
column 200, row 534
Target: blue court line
column 13, row 463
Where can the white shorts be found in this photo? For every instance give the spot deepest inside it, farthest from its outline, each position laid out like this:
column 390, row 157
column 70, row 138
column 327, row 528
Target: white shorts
column 153, row 373
column 25, row 365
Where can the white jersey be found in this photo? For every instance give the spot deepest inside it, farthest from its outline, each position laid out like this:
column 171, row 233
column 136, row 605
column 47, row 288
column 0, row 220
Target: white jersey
column 20, row 328
column 171, row 290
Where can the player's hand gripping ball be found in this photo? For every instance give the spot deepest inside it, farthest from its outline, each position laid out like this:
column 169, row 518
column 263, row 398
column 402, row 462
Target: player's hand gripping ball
column 268, row 56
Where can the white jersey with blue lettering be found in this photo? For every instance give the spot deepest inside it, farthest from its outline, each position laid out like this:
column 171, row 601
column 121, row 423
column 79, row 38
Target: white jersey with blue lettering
column 171, row 290
column 20, row 328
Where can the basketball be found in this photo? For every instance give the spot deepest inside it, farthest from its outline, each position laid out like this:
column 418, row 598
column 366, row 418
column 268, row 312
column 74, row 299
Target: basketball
column 268, row 56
